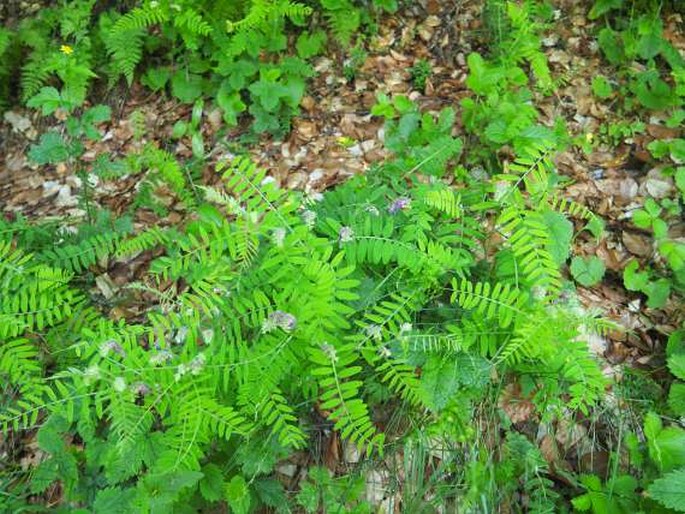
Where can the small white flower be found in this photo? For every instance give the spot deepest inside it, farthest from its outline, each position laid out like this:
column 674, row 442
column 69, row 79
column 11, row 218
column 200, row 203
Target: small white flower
column 197, row 364
column 181, row 370
column 181, row 335
column 110, row 346
column 372, row 209
column 279, row 319
column 278, row 236
column 374, row 331
column 405, row 327
column 330, row 352
column 208, row 335
column 119, row 384
column 309, row 218
column 384, row 352
column 160, row 358
column 92, row 374
column 140, row 388
column 345, row 235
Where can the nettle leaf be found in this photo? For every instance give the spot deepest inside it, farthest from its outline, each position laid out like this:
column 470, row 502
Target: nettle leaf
column 113, row 499
column 680, row 180
column 587, row 271
column 212, row 484
column 238, row 495
column 669, row 490
column 271, row 492
column 443, row 377
column 93, row 116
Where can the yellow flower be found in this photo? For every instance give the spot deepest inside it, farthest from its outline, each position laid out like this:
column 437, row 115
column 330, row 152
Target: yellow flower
column 66, row 49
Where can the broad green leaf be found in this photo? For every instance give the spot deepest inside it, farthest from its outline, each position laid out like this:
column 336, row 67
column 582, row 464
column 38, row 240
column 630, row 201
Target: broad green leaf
column 197, row 145
column 676, row 363
column 601, row 7
column 666, row 445
column 230, row 103
column 270, row 492
column 48, row 100
column 657, row 293
column 561, row 233
column 587, row 271
column 633, row 279
column 238, row 495
column 669, row 490
column 187, row 87
column 179, row 130
column 113, row 499
column 310, row 44
column 156, row 78
column 601, row 87
column 676, row 398
column 677, row 147
column 212, row 483
column 51, row 149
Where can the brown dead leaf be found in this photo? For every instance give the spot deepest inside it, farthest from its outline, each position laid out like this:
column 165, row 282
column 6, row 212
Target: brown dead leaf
column 637, row 244
column 517, row 408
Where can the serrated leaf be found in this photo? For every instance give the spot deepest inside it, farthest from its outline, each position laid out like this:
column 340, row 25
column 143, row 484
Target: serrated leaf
column 676, row 399
column 561, row 233
column 238, row 495
column 669, row 490
column 212, row 484
column 51, row 149
column 48, row 100
column 113, row 499
column 676, row 363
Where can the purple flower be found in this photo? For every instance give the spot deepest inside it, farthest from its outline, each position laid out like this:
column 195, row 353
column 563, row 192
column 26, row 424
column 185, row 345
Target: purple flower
column 141, row 388
column 399, row 204
column 279, row 319
column 111, row 346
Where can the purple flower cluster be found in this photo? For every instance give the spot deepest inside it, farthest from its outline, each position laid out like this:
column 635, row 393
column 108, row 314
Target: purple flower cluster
column 111, row 346
column 279, row 319
column 399, row 204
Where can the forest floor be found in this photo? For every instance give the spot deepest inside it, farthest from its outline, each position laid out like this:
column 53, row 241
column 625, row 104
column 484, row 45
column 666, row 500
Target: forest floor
column 335, row 137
